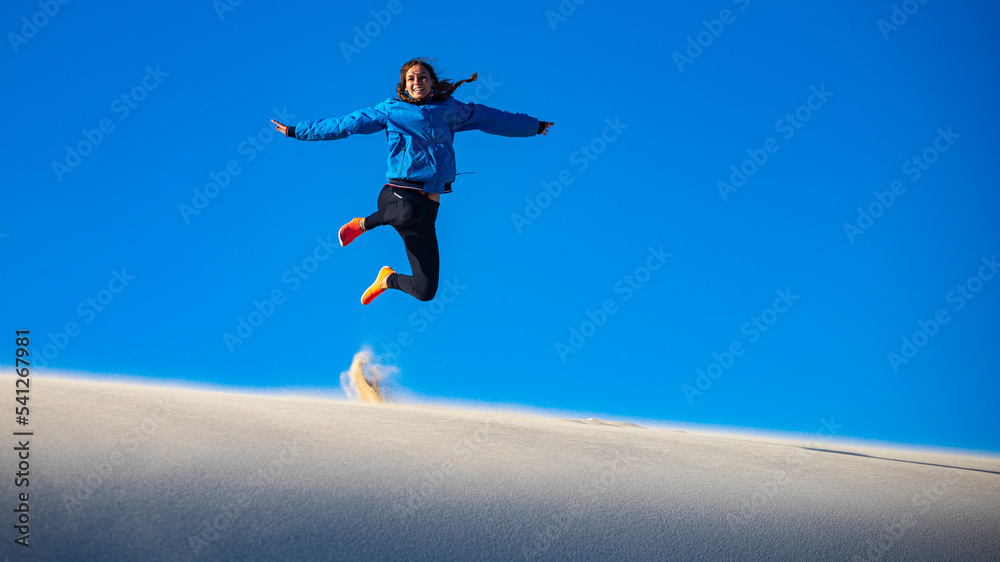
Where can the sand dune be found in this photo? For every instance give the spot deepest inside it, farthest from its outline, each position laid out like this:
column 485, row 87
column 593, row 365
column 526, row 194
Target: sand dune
column 133, row 472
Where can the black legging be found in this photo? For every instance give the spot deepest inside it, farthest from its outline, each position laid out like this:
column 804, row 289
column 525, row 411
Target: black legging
column 412, row 215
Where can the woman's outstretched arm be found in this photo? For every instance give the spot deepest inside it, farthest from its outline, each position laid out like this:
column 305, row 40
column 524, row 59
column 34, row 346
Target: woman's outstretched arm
column 363, row 121
column 474, row 116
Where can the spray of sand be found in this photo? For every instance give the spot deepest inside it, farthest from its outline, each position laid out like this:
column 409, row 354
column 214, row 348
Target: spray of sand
column 365, row 380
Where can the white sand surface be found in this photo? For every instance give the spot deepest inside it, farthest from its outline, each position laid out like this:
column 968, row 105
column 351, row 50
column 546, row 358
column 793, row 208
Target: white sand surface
column 134, row 472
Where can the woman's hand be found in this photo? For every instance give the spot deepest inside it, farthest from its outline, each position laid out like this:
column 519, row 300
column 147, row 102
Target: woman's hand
column 547, row 125
column 283, row 129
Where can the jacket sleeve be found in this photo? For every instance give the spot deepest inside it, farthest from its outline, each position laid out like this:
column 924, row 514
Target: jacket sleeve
column 473, row 116
column 363, row 121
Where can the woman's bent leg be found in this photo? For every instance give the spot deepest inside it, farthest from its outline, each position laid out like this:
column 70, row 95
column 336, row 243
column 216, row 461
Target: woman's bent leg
column 413, row 216
column 422, row 251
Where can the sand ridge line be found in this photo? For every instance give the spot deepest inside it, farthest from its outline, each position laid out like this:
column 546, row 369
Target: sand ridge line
column 856, row 454
column 606, row 423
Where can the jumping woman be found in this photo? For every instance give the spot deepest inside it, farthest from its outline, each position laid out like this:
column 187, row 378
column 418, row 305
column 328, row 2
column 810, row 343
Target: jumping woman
column 420, row 125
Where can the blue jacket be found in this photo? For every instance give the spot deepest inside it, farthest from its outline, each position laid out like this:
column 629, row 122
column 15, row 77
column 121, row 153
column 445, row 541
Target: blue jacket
column 420, row 136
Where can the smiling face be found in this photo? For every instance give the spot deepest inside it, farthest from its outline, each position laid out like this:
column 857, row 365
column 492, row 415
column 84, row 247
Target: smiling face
column 418, row 82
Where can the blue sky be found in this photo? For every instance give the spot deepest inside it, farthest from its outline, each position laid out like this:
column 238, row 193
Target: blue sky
column 757, row 215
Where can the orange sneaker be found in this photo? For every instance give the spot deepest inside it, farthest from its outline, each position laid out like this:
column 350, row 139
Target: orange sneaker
column 378, row 286
column 351, row 230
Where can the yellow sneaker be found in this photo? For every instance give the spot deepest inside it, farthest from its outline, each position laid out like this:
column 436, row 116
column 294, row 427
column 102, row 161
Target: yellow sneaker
column 351, row 230
column 378, row 286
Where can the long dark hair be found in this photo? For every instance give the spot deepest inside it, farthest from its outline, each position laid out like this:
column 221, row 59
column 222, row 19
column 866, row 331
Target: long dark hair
column 442, row 89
